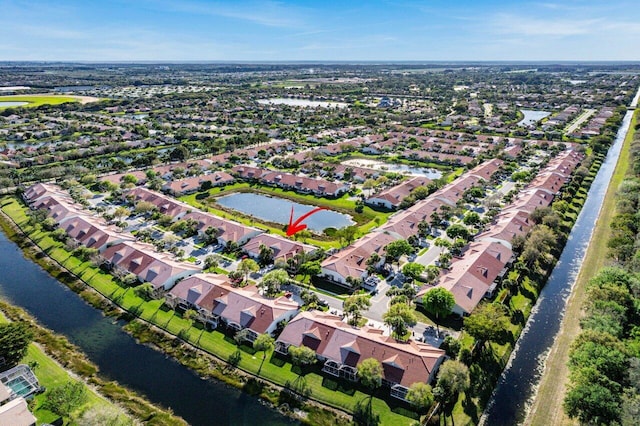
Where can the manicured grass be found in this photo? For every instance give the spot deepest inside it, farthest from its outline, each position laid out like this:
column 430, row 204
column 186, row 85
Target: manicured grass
column 213, row 342
column 547, row 406
column 51, row 374
column 36, row 101
column 367, row 220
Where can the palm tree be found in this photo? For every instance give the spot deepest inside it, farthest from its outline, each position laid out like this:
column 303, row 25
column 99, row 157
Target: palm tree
column 264, row 343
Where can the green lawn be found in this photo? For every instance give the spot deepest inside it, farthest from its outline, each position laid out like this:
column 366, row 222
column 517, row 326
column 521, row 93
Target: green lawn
column 213, row 342
column 35, row 101
column 50, row 374
column 366, row 220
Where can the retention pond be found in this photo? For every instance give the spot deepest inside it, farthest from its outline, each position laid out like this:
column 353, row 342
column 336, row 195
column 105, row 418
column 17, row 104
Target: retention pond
column 278, row 210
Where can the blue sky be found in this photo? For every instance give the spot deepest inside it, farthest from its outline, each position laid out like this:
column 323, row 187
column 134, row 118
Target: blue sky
column 401, row 30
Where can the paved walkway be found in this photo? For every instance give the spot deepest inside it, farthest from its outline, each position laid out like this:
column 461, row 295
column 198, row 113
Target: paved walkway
column 577, row 123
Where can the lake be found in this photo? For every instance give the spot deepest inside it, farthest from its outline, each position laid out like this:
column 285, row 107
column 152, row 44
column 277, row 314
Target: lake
column 8, row 104
column 302, row 103
column 531, row 117
column 278, row 210
column 397, row 168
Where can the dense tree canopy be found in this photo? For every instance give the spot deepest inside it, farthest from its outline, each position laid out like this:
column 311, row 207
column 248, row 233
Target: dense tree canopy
column 14, row 341
column 487, row 322
column 370, row 373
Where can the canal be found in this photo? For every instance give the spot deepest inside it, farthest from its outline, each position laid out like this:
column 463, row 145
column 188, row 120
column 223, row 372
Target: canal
column 517, row 385
column 119, row 357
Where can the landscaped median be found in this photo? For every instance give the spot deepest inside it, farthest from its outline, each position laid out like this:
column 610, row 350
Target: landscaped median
column 338, row 394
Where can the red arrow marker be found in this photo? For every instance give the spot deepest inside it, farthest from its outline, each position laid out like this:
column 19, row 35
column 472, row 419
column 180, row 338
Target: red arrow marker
column 297, row 226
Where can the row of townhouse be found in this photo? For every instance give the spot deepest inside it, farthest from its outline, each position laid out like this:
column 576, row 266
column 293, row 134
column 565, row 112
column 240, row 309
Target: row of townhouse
column 288, row 181
column 338, row 345
column 351, row 263
column 198, row 167
column 118, row 250
column 390, row 198
column 193, row 184
column 217, row 301
column 226, row 230
column 483, row 265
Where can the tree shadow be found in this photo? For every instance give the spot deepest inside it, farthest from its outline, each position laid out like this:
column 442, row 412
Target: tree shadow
column 517, row 317
column 470, row 408
column 363, row 414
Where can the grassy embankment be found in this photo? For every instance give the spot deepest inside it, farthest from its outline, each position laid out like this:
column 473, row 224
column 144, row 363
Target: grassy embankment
column 488, row 364
column 36, row 101
column 51, row 374
column 365, row 221
column 336, row 394
column 59, row 361
column 547, row 406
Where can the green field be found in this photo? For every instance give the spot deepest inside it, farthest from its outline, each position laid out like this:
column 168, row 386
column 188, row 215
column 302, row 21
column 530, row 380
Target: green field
column 36, row 101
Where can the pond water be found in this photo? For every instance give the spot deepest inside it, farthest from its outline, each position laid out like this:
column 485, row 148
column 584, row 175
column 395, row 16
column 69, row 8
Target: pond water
column 119, row 356
column 397, row 168
column 532, row 116
column 302, row 103
column 278, row 210
column 8, row 104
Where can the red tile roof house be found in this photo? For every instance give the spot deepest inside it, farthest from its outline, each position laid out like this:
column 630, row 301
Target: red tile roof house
column 39, row 190
column 352, row 261
column 475, row 275
column 305, row 185
column 164, row 204
column 117, row 178
column 213, row 296
column 248, row 172
column 192, row 184
column 391, row 198
column 487, row 169
column 508, row 224
column 532, row 198
column 159, row 269
column 551, row 182
column 341, row 347
column 91, row 232
column 227, row 229
column 283, row 248
column 453, row 192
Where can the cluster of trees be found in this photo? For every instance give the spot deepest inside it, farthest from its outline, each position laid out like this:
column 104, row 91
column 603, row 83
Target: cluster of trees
column 605, row 358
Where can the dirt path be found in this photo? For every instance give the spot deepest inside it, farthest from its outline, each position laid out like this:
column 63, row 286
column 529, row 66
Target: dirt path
column 547, row 405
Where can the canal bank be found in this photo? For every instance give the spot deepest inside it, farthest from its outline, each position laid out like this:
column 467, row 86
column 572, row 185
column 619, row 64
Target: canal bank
column 546, row 407
column 518, row 382
column 273, row 383
column 118, row 355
